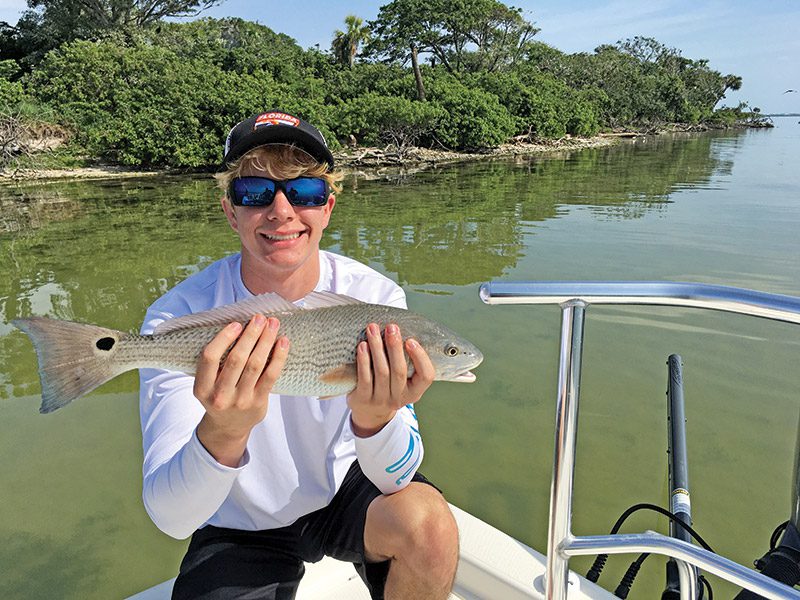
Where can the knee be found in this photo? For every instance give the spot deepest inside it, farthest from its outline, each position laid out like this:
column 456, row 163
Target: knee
column 431, row 536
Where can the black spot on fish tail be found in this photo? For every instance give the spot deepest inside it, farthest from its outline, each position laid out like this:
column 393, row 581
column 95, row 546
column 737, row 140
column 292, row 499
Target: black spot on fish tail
column 105, row 343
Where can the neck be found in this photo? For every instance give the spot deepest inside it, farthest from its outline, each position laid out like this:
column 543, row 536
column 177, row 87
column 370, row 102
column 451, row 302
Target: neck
column 290, row 284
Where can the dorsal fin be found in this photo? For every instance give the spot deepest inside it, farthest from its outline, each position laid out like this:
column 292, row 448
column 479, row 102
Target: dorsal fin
column 327, row 299
column 242, row 311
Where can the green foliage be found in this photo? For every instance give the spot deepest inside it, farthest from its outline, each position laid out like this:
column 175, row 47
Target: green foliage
column 11, row 93
column 166, row 93
column 232, row 44
column 392, row 120
column 644, row 83
column 26, row 128
column 346, row 43
column 742, row 113
column 8, row 69
column 143, row 105
column 47, row 24
column 542, row 105
column 368, row 78
column 462, row 35
column 475, row 118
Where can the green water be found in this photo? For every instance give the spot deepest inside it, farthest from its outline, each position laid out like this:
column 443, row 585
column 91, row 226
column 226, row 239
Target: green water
column 710, row 208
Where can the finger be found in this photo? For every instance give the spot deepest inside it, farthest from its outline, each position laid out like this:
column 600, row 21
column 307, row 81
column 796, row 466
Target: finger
column 240, row 353
column 277, row 360
column 363, row 371
column 424, row 371
column 254, row 367
column 397, row 360
column 380, row 364
column 208, row 361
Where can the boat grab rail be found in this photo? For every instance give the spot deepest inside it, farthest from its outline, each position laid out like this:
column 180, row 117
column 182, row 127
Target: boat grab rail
column 574, row 298
column 662, row 293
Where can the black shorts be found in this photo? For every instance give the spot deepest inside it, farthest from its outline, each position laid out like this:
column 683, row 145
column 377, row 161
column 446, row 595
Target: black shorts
column 230, row 563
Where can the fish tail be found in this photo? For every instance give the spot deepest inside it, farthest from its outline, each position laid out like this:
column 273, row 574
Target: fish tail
column 74, row 358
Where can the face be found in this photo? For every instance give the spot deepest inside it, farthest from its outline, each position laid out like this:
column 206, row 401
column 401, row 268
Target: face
column 279, row 241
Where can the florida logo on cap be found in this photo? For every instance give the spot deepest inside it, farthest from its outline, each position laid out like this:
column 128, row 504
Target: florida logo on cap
column 276, row 118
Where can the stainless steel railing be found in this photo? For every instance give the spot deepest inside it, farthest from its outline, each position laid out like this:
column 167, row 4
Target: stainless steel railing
column 574, row 298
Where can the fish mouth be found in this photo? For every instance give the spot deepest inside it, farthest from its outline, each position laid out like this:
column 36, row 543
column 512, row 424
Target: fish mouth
column 465, row 377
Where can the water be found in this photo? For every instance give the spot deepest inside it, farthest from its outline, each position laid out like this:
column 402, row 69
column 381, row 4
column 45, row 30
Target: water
column 709, row 208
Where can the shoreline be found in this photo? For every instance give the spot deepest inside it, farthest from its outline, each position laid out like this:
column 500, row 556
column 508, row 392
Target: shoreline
column 365, row 161
column 373, row 162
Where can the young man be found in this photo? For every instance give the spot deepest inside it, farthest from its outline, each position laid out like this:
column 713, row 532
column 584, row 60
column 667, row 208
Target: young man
column 265, row 482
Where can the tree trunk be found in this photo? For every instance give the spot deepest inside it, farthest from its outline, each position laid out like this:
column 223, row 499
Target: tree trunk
column 417, row 74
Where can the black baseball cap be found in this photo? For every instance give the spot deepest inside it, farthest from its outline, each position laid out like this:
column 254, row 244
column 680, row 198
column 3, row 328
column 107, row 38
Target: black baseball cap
column 275, row 127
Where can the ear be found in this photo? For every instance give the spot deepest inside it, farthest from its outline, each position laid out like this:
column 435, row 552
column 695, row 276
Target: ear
column 230, row 214
column 328, row 210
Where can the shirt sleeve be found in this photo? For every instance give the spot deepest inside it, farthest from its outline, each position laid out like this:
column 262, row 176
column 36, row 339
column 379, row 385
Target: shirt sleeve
column 390, row 458
column 183, row 485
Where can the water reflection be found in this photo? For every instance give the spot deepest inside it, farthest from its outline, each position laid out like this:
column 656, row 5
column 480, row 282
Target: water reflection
column 465, row 224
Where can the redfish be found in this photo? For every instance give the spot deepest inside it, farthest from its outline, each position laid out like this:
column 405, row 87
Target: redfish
column 76, row 358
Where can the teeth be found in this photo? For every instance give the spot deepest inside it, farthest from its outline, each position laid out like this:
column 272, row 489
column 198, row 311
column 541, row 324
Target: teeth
column 290, row 236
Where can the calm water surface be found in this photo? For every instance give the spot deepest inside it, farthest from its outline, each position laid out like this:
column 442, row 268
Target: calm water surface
column 713, row 208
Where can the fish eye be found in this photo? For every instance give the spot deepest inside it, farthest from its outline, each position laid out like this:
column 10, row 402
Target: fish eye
column 451, row 350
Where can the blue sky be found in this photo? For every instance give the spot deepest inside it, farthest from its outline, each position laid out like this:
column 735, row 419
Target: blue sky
column 758, row 40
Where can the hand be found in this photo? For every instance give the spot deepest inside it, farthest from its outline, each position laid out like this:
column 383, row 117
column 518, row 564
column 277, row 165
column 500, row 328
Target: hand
column 383, row 385
column 236, row 394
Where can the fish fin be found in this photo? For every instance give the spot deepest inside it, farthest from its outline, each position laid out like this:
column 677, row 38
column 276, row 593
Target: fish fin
column 74, row 358
column 345, row 373
column 326, row 299
column 242, row 311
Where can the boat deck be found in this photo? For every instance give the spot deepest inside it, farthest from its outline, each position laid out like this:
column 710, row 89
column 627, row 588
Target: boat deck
column 492, row 565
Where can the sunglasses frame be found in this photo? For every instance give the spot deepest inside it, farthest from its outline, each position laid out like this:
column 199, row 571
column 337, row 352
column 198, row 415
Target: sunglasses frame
column 280, row 185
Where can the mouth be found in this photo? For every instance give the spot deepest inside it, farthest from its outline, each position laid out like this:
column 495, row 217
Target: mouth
column 282, row 237
column 466, row 377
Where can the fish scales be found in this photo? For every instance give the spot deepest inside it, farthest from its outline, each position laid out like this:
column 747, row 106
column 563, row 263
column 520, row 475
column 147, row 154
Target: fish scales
column 75, row 358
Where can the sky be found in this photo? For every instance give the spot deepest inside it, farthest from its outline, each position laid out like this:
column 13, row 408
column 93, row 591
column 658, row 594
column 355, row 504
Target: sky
column 758, row 40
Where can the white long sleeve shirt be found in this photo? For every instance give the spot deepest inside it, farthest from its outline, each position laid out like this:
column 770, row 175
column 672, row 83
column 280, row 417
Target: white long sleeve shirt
column 296, row 458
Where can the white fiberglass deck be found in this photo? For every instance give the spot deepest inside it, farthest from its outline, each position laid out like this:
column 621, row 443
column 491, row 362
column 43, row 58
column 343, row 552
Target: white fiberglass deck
column 492, row 565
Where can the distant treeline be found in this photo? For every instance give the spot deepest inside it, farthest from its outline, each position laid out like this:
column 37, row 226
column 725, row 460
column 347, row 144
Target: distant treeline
column 126, row 86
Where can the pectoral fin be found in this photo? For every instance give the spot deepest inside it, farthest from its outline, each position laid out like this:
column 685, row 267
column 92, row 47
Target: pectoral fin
column 343, row 374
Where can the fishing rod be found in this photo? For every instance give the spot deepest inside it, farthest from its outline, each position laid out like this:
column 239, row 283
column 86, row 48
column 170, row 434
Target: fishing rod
column 680, row 514
column 680, row 499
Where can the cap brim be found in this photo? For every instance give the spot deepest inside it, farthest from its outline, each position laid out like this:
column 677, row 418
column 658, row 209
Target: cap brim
column 279, row 134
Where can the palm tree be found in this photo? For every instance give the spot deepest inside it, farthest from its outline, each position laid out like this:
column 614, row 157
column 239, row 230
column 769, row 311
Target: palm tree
column 345, row 43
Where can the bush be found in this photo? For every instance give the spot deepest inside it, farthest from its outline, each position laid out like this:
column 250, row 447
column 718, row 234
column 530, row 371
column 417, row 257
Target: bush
column 586, row 110
column 475, row 119
column 377, row 119
column 542, row 105
column 343, row 84
column 145, row 106
column 11, row 93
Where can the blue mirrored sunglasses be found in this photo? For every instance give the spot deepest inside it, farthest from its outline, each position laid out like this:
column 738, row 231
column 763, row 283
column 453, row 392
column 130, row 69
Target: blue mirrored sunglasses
column 260, row 191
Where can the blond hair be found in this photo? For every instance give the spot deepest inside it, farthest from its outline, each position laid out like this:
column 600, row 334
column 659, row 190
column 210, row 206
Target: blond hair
column 280, row 161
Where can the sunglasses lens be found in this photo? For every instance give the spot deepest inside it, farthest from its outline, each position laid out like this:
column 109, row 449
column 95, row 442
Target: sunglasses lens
column 260, row 191
column 307, row 191
column 253, row 191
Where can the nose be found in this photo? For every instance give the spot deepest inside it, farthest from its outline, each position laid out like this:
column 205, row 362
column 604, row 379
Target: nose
column 280, row 209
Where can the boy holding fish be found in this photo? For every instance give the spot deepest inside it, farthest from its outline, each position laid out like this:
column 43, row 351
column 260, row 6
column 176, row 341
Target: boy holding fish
column 264, row 482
